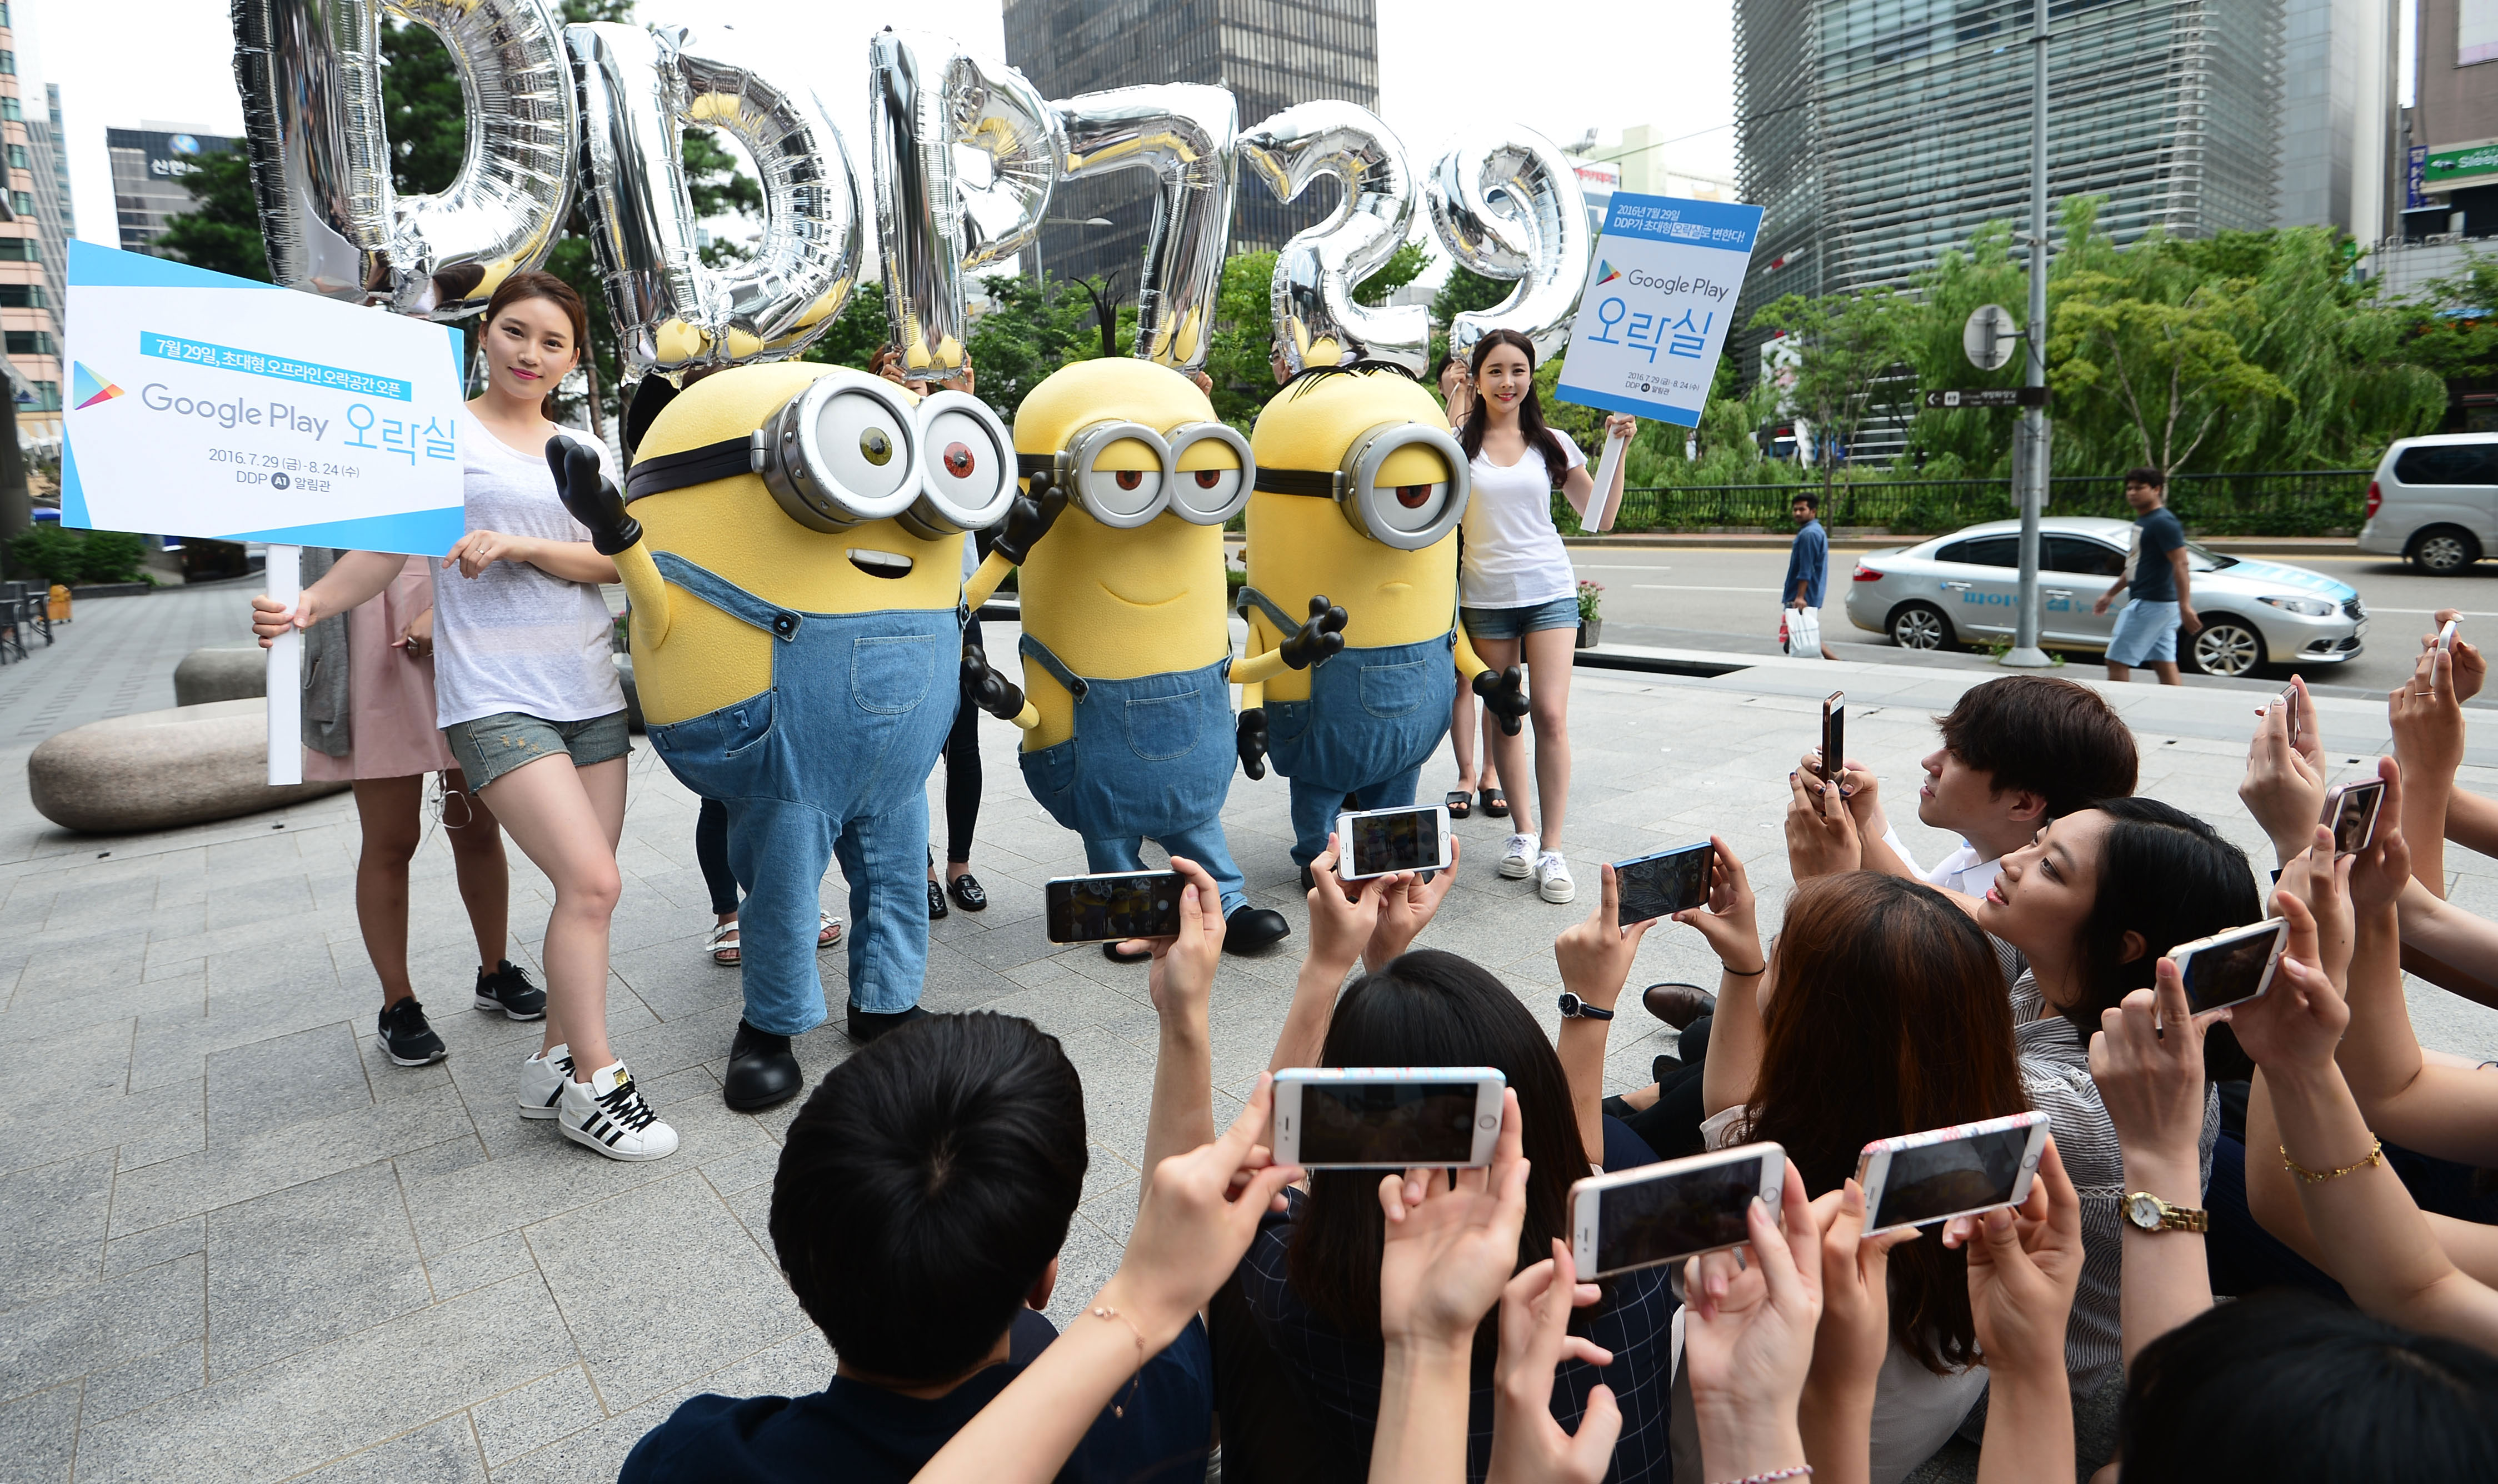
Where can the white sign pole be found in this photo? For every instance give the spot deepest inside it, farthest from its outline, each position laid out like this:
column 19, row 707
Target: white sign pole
column 285, row 574
column 1609, row 500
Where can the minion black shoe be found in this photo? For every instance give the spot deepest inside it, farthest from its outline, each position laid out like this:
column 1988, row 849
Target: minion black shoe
column 762, row 1069
column 1251, row 928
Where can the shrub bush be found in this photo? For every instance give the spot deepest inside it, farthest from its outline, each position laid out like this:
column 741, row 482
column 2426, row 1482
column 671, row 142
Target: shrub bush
column 71, row 557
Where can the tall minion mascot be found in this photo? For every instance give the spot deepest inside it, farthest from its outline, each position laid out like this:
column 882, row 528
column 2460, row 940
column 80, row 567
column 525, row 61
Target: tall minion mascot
column 1360, row 492
column 793, row 553
column 1125, row 645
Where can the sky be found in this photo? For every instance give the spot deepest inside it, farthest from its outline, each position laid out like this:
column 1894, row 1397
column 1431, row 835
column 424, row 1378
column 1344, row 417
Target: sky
column 1444, row 65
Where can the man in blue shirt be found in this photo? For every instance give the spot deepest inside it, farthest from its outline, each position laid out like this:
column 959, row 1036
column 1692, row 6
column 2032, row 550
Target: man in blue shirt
column 1808, row 560
column 2162, row 600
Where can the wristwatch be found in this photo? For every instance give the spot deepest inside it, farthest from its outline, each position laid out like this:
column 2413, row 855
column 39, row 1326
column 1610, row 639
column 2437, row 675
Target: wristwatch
column 2150, row 1213
column 1574, row 1008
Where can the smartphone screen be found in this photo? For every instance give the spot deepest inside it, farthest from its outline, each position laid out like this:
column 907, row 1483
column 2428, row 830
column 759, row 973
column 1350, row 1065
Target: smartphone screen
column 1675, row 1215
column 1662, row 885
column 2232, row 970
column 1104, row 909
column 1834, row 737
column 1389, row 1124
column 1929, row 1182
column 1395, row 840
column 2354, row 815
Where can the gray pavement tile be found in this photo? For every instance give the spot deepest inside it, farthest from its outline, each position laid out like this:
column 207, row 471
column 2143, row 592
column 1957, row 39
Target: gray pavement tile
column 99, row 1325
column 73, row 1066
column 290, row 1416
column 144, row 1382
column 35, row 1015
column 38, row 1437
column 301, row 1267
column 531, row 1416
column 745, row 1169
column 289, row 1156
column 51, row 1226
column 443, row 1451
column 630, row 1320
column 478, row 1264
column 158, row 1245
column 268, row 1084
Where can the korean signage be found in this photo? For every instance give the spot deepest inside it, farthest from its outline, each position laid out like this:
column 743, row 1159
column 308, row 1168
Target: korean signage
column 207, row 405
column 1659, row 298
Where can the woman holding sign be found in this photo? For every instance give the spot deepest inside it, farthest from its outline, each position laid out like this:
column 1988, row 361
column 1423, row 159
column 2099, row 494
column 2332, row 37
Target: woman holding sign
column 528, row 700
column 1517, row 591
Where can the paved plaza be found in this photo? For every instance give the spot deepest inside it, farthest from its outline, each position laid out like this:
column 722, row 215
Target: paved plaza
column 242, row 1245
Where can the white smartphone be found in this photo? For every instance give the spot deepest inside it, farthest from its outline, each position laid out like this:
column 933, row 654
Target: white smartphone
column 1664, row 1212
column 1919, row 1178
column 2232, row 967
column 2446, row 634
column 1387, row 1118
column 1381, row 842
column 2352, row 808
column 2289, row 709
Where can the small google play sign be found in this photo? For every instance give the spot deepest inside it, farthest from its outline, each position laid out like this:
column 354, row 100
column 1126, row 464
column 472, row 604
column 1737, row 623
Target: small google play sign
column 86, row 388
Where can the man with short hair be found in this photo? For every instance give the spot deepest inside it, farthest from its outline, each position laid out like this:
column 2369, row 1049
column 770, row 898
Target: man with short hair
column 1808, row 560
column 2162, row 600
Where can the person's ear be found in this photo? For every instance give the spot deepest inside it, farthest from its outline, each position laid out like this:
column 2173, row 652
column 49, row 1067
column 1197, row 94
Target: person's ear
column 2028, row 808
column 2127, row 948
column 1042, row 1287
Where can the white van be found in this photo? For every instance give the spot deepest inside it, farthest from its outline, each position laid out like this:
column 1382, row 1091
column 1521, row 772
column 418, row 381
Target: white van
column 2434, row 501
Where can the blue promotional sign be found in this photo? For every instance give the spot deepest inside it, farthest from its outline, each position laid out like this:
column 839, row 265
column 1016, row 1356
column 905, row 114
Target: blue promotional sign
column 203, row 404
column 1653, row 316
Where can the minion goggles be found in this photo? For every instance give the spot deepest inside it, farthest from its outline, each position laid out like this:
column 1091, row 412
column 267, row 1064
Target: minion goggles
column 1407, row 517
column 1129, row 497
column 849, row 449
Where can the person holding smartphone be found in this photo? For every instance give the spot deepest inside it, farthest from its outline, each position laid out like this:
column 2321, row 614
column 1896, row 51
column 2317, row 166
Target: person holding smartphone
column 527, row 698
column 1517, row 593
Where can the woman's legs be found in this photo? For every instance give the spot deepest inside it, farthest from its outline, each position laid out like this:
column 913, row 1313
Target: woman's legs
column 962, row 789
column 485, row 876
column 567, row 821
column 711, row 852
column 1551, row 654
column 391, row 812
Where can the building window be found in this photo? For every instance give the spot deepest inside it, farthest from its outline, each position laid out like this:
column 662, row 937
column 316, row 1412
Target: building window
column 20, row 250
column 29, row 343
column 22, row 203
column 3, row 13
column 7, row 64
column 22, row 296
column 48, row 396
column 9, row 110
column 18, row 158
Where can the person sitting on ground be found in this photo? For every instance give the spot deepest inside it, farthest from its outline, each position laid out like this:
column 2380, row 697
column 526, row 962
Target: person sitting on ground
column 923, row 1194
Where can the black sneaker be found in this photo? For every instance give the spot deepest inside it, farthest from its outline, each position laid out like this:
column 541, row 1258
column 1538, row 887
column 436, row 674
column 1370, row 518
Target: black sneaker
column 509, row 991
column 405, row 1037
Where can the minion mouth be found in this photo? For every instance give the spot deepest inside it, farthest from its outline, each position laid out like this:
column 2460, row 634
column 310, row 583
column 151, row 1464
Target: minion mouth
column 1140, row 603
column 889, row 565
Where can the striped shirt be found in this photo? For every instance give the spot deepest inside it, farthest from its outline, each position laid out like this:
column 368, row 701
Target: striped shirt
column 2056, row 1070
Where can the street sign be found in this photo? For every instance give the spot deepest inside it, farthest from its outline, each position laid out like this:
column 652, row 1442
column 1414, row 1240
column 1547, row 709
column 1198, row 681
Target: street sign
column 1990, row 397
column 1987, row 337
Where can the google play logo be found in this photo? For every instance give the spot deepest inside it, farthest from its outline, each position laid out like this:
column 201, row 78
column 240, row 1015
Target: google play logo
column 86, row 388
column 1606, row 272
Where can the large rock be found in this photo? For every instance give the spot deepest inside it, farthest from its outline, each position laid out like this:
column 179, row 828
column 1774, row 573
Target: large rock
column 208, row 675
column 160, row 769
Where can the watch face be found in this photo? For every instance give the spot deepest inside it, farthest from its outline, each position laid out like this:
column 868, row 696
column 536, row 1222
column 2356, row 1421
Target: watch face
column 2143, row 1211
column 1569, row 1004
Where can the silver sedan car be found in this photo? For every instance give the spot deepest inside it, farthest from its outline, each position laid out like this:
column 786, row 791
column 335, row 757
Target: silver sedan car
column 1963, row 589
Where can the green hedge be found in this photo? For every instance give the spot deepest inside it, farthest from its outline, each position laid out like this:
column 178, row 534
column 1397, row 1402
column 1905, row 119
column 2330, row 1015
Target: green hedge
column 72, row 557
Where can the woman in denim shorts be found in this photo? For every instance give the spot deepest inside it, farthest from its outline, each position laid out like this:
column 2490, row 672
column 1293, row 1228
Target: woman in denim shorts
column 528, row 700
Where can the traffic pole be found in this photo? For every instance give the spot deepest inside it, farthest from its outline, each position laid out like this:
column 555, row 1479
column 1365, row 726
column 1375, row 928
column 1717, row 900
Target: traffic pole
column 2031, row 471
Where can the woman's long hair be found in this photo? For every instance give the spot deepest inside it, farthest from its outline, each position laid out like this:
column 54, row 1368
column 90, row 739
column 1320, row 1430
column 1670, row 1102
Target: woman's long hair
column 1886, row 1016
column 1530, row 416
column 1430, row 1008
column 2164, row 874
column 549, row 287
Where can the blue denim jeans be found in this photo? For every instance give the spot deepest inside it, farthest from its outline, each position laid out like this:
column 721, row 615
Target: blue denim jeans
column 2145, row 633
column 1374, row 717
column 833, row 760
column 1151, row 759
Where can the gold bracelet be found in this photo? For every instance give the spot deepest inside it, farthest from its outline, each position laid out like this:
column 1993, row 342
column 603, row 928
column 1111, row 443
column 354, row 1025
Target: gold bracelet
column 1106, row 1311
column 2376, row 1155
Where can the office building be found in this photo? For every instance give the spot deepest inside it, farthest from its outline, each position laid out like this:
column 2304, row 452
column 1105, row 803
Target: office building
column 1270, row 53
column 2337, row 115
column 2450, row 181
column 30, row 332
column 149, row 164
column 56, row 220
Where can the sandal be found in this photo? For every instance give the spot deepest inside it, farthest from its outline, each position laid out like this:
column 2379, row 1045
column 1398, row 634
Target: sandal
column 1496, row 803
column 828, row 930
column 1461, row 803
column 722, row 946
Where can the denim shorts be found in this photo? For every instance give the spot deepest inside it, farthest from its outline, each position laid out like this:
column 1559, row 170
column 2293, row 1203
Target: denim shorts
column 2145, row 633
column 491, row 746
column 1518, row 622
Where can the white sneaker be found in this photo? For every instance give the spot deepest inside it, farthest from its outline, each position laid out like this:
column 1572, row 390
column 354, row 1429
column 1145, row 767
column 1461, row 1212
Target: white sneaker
column 1517, row 858
column 1553, row 878
column 542, row 1079
column 607, row 1113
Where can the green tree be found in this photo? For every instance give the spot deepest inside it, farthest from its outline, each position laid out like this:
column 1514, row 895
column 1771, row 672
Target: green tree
column 424, row 108
column 222, row 232
column 1850, row 350
column 1241, row 363
column 2452, row 326
column 1463, row 290
column 856, row 333
column 1024, row 335
column 1403, row 267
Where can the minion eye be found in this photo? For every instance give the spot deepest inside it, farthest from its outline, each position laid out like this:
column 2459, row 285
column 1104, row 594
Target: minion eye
column 1411, row 507
column 876, row 447
column 1126, row 492
column 861, row 438
column 1414, row 496
column 967, row 478
column 1214, row 470
column 1128, row 479
column 958, row 461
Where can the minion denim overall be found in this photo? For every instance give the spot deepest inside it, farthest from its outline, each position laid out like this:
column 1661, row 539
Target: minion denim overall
column 833, row 759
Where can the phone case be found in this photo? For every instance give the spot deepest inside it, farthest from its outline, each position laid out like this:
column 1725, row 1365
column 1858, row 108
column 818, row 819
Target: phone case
column 1873, row 1165
column 1586, row 1195
column 2184, row 953
column 1344, row 864
column 1285, row 1133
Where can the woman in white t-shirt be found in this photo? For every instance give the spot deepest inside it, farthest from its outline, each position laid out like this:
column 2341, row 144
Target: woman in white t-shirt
column 528, row 700
column 1517, row 591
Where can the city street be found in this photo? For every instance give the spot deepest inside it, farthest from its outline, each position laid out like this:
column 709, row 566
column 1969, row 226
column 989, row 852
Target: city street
column 1724, row 599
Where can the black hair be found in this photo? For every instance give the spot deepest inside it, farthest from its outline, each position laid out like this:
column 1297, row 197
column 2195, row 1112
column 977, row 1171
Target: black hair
column 1310, row 375
column 2290, row 1387
column 1530, row 414
column 2041, row 734
column 1809, row 499
column 1430, row 1009
column 2164, row 874
column 925, row 1187
column 2146, row 475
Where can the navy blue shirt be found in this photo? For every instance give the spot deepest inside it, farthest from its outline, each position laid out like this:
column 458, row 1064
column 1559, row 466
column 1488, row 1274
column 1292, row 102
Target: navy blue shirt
column 860, row 1434
column 1809, row 562
column 2155, row 579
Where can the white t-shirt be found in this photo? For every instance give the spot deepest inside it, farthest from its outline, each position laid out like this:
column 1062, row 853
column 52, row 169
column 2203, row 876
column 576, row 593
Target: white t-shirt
column 515, row 638
column 1515, row 557
column 1961, row 871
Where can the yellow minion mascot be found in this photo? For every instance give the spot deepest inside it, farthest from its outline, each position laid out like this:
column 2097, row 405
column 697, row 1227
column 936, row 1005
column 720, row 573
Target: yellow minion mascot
column 1360, row 491
column 794, row 554
column 1126, row 646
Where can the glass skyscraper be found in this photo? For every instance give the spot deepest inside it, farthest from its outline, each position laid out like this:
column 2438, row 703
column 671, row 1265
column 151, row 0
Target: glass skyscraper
column 1270, row 53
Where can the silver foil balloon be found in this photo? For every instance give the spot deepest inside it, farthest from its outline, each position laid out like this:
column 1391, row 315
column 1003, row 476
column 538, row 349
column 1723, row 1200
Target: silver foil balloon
column 639, row 91
column 1508, row 206
column 310, row 72
column 926, row 97
column 1317, row 322
column 1187, row 135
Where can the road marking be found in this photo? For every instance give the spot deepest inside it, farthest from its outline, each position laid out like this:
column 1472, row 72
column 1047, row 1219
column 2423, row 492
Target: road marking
column 2429, row 612
column 1679, row 586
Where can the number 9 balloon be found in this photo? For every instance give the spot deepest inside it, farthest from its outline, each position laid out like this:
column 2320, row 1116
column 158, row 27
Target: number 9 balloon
column 1508, row 206
column 1317, row 322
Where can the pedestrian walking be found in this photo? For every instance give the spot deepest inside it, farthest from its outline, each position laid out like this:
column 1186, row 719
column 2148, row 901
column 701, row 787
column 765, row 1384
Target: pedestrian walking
column 2160, row 586
column 1807, row 575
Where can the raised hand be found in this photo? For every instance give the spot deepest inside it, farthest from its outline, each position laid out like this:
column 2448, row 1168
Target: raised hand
column 1407, row 903
column 1747, row 1337
column 2378, row 873
column 2471, row 669
column 1343, row 915
column 1729, row 921
column 591, row 497
column 1594, row 953
column 2024, row 1264
column 1450, row 1247
column 2299, row 1020
column 2285, row 785
column 1821, row 833
column 1201, row 1211
column 1029, row 518
column 2147, row 1058
column 988, row 690
column 1182, row 977
column 1249, row 737
column 2426, row 715
column 1855, row 1330
column 1527, row 1444
column 1506, row 697
column 1321, row 639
